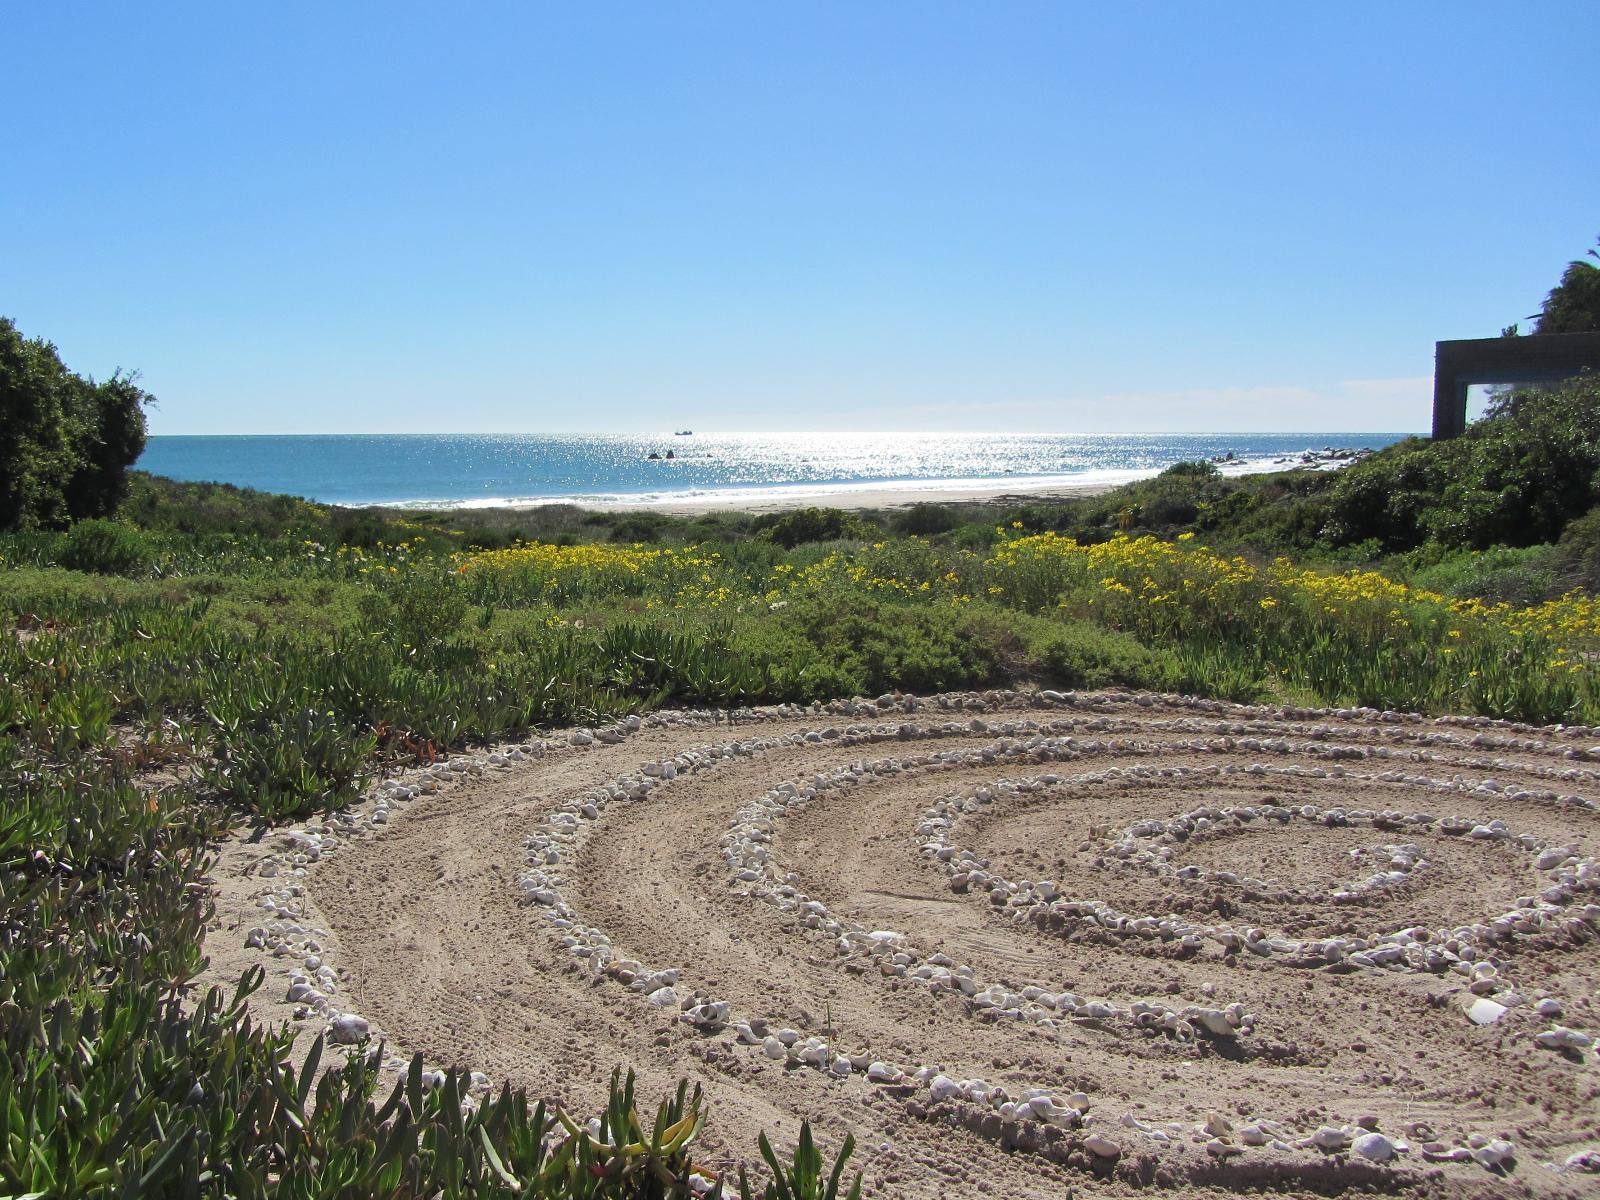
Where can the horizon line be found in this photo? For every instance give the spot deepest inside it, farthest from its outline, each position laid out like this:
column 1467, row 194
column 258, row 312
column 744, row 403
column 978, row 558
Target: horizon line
column 810, row 433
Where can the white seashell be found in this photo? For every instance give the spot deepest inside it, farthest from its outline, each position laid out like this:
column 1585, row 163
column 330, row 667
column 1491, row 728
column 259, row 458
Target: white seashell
column 710, row 1016
column 941, row 1087
column 1101, row 1146
column 1329, row 1137
column 1494, row 1154
column 1374, row 1146
column 1485, row 1012
column 348, row 1027
column 1562, row 1038
column 1583, row 1160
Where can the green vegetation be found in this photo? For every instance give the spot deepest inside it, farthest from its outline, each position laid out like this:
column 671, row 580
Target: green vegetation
column 66, row 442
column 804, row 525
column 290, row 643
column 1573, row 305
column 113, row 1083
column 282, row 665
column 1516, row 478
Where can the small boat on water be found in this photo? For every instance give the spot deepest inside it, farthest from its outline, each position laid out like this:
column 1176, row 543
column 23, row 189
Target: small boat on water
column 683, row 433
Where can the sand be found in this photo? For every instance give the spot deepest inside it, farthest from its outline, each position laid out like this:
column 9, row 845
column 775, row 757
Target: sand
column 436, row 946
column 856, row 499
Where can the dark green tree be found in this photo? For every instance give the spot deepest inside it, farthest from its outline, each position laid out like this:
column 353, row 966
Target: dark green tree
column 1573, row 305
column 111, row 438
column 66, row 442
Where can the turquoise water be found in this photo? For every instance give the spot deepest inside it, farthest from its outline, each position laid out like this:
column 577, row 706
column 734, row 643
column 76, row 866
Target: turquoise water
column 475, row 470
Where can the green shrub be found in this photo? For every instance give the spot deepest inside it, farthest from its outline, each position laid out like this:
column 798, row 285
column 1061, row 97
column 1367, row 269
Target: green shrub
column 1499, row 575
column 105, row 548
column 66, row 442
column 280, row 760
column 1577, row 556
column 658, row 664
column 926, row 520
column 814, row 525
column 418, row 610
column 157, row 503
column 1077, row 654
column 1194, row 468
column 1515, row 478
column 975, row 535
column 1174, row 499
column 361, row 527
column 638, row 527
column 855, row 646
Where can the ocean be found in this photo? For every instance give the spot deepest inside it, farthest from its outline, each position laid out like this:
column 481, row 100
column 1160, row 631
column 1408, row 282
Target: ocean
column 484, row 470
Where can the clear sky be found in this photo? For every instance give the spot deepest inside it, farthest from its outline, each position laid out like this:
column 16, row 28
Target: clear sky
column 1136, row 217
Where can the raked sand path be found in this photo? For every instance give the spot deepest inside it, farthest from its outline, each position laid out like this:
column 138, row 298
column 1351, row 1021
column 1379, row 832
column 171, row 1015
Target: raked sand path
column 1018, row 945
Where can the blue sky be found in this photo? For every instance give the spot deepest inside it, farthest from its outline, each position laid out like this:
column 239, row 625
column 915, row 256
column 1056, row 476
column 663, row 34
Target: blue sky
column 519, row 217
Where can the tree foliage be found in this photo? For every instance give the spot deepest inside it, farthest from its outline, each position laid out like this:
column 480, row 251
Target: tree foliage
column 1573, row 305
column 66, row 442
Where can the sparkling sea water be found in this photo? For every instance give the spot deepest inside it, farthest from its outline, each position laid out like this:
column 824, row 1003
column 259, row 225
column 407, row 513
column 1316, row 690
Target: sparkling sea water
column 481, row 470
